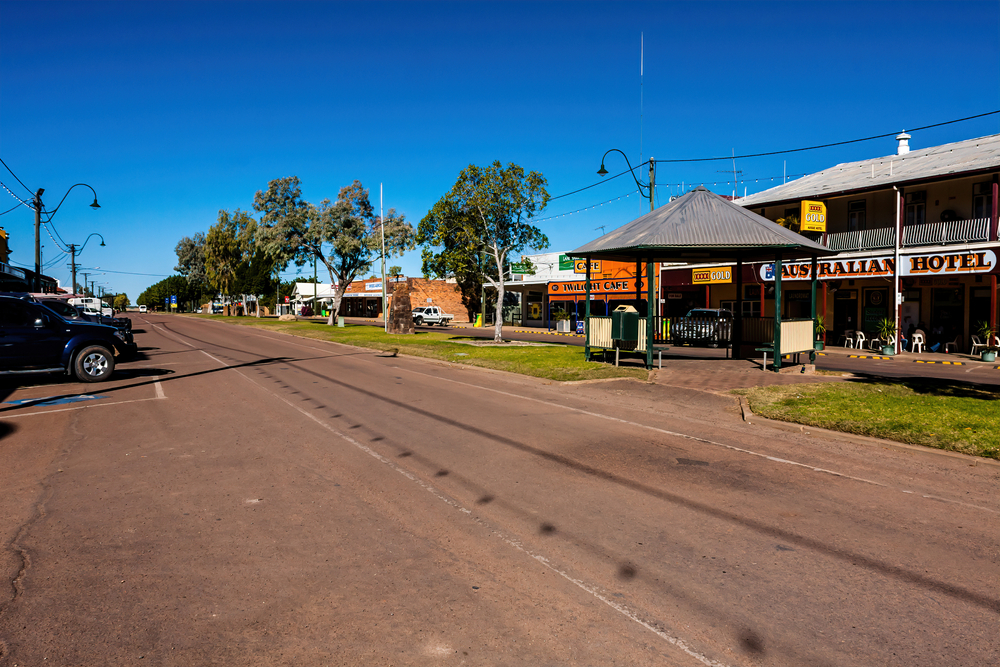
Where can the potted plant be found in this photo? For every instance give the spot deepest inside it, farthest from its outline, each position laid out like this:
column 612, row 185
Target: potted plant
column 820, row 332
column 886, row 330
column 985, row 332
column 562, row 318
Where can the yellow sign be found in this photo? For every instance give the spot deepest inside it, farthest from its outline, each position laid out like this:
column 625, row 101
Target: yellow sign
column 813, row 218
column 580, row 266
column 535, row 311
column 711, row 276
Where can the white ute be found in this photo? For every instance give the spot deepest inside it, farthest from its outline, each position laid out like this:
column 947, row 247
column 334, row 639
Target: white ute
column 431, row 315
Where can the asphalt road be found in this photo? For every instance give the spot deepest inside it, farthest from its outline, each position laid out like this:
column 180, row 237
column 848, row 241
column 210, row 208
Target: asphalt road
column 239, row 497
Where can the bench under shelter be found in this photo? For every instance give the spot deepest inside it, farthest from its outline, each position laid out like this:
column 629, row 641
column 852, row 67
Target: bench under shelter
column 697, row 228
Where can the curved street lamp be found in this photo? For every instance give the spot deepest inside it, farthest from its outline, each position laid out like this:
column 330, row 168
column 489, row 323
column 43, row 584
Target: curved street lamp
column 37, row 286
column 73, row 252
column 649, row 187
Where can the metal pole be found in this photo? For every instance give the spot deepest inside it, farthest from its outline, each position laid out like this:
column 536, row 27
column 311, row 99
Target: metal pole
column 897, row 233
column 649, row 313
column 777, row 312
column 815, row 282
column 37, row 282
column 652, row 182
column 315, row 288
column 72, row 263
column 381, row 216
column 586, row 328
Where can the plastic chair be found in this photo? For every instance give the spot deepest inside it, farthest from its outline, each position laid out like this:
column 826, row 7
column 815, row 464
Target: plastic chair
column 875, row 343
column 976, row 344
column 918, row 343
column 848, row 338
column 951, row 346
column 859, row 339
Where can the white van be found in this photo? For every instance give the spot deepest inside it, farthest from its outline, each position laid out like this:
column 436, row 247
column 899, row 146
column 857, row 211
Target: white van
column 92, row 303
column 142, row 309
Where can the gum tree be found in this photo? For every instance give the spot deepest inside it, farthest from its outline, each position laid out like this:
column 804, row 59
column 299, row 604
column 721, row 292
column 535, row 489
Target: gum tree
column 487, row 210
column 345, row 236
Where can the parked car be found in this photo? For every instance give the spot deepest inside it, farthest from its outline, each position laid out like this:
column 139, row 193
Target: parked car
column 36, row 339
column 94, row 304
column 707, row 326
column 431, row 315
column 78, row 313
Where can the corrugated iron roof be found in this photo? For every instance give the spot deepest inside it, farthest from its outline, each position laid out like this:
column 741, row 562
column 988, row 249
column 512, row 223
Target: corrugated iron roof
column 878, row 173
column 700, row 224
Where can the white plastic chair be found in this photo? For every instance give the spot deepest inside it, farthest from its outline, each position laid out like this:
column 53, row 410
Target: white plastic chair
column 976, row 344
column 859, row 339
column 918, row 343
column 953, row 345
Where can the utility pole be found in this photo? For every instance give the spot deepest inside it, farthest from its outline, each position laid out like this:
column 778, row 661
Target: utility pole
column 72, row 263
column 37, row 283
column 85, row 276
column 652, row 182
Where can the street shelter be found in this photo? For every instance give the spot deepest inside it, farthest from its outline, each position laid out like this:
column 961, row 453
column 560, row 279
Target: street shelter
column 701, row 227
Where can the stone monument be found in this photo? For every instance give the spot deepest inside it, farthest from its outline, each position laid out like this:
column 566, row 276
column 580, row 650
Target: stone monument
column 400, row 313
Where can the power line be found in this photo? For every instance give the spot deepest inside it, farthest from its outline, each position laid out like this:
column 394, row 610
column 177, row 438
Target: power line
column 18, row 179
column 781, row 152
column 16, row 197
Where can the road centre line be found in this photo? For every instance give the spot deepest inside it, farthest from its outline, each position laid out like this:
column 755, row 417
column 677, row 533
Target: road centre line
column 511, row 541
column 655, row 429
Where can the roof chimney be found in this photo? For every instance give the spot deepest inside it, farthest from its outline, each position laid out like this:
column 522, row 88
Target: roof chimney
column 904, row 143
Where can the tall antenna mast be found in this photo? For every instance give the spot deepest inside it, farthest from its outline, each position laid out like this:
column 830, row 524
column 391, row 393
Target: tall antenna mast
column 641, row 49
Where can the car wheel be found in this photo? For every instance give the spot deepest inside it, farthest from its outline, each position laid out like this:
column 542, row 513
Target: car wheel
column 94, row 364
column 419, row 321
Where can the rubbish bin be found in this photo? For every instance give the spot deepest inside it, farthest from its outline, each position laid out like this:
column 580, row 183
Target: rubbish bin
column 625, row 327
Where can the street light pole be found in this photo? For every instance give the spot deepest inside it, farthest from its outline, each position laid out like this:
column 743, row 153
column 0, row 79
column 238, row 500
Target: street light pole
column 639, row 184
column 37, row 282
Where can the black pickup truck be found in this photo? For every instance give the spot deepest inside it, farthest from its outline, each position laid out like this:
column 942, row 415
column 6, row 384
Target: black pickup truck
column 35, row 339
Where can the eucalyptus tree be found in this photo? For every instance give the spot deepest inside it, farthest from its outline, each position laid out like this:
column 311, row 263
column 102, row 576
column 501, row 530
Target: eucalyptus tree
column 345, row 236
column 487, row 210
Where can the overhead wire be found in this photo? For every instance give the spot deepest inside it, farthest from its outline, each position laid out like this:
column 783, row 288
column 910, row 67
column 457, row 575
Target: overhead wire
column 781, row 152
column 17, row 179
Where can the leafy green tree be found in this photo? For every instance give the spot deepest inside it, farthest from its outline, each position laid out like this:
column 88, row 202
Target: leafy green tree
column 487, row 210
column 191, row 258
column 345, row 236
column 121, row 302
column 235, row 261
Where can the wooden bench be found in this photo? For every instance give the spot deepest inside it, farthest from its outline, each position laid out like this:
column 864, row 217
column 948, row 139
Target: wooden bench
column 770, row 349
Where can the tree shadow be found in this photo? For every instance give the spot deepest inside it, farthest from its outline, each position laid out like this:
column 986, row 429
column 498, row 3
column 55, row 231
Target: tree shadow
column 932, row 386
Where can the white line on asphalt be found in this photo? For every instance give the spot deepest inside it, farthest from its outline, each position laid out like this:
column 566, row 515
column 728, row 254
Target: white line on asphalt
column 81, row 407
column 687, row 437
column 182, row 342
column 592, row 590
column 159, row 390
column 645, row 426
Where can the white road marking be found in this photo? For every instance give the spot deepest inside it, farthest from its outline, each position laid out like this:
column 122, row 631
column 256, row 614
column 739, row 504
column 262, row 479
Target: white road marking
column 159, row 390
column 638, row 425
column 80, row 407
column 592, row 590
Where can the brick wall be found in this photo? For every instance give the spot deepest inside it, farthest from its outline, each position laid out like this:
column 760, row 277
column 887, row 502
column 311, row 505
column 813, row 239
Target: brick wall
column 441, row 293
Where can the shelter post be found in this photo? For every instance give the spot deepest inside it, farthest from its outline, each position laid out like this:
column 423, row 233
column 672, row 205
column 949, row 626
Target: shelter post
column 777, row 312
column 586, row 317
column 649, row 313
column 737, row 337
column 815, row 282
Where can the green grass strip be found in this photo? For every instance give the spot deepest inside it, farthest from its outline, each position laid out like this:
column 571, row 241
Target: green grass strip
column 934, row 413
column 551, row 360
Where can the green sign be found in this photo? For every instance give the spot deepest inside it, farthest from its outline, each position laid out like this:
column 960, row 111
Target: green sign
column 522, row 267
column 565, row 263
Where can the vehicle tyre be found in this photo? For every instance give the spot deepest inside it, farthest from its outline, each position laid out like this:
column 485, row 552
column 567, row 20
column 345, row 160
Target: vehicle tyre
column 94, row 364
column 419, row 321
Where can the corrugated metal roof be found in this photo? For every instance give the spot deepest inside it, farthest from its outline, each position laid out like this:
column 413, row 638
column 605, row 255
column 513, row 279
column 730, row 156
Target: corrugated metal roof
column 883, row 172
column 700, row 224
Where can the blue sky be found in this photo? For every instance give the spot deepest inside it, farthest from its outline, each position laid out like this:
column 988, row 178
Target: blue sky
column 174, row 110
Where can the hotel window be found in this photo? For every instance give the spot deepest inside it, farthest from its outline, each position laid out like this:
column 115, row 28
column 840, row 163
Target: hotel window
column 856, row 215
column 916, row 208
column 982, row 201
